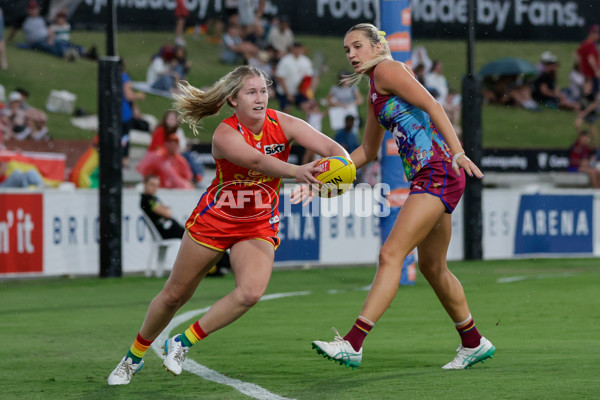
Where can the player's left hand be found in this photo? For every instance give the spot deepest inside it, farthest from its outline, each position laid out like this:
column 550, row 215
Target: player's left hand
column 306, row 173
column 469, row 166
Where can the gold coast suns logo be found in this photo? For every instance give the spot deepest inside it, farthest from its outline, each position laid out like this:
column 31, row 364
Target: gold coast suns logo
column 244, row 200
column 253, row 178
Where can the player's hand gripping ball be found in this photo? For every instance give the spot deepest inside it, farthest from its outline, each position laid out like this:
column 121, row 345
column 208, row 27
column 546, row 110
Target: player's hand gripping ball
column 337, row 175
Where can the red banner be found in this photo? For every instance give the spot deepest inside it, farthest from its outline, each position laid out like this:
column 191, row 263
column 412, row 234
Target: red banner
column 21, row 233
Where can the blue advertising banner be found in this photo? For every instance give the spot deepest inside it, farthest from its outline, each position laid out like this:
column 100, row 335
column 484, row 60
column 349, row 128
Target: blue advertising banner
column 555, row 224
column 396, row 23
column 299, row 233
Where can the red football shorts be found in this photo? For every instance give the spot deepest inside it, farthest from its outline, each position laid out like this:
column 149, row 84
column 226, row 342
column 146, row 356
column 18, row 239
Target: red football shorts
column 439, row 179
column 205, row 231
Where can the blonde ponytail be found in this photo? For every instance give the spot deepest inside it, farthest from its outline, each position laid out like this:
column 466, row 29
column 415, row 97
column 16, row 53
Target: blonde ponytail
column 194, row 104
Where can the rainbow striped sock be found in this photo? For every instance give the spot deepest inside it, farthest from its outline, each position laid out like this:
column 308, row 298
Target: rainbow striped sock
column 192, row 335
column 138, row 349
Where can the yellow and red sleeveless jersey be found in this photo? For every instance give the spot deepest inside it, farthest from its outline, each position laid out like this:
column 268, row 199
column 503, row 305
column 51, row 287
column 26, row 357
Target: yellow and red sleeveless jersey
column 241, row 200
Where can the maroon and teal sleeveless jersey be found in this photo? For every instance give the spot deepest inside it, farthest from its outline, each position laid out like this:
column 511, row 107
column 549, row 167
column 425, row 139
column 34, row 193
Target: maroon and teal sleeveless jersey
column 418, row 140
column 240, row 199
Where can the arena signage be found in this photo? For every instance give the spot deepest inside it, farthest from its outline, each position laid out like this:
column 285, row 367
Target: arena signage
column 554, row 224
column 299, row 234
column 55, row 232
column 564, row 20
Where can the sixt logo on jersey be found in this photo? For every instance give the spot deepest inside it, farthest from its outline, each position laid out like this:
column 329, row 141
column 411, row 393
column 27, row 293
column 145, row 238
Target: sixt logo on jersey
column 274, row 149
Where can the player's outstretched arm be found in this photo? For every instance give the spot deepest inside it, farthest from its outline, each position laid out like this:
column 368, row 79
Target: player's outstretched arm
column 308, row 137
column 229, row 144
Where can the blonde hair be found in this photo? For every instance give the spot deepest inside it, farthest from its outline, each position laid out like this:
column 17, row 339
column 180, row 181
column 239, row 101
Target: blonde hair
column 194, row 104
column 375, row 36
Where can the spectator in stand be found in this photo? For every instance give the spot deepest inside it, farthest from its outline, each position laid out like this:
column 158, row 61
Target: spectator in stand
column 419, row 71
column 419, row 56
column 234, row 50
column 453, row 107
column 436, row 80
column 280, row 36
column 161, row 217
column 160, row 214
column 194, row 161
column 39, row 37
column 343, row 99
column 23, row 120
column 170, row 124
column 181, row 64
column 581, row 158
column 509, row 90
column 576, row 81
column 127, row 111
column 291, row 71
column 167, row 67
column 314, row 115
column 36, row 116
column 168, row 164
column 61, row 31
column 545, row 88
column 14, row 118
column 250, row 12
column 37, row 34
column 3, row 62
column 346, row 136
column 589, row 61
column 181, row 15
column 588, row 113
column 12, row 176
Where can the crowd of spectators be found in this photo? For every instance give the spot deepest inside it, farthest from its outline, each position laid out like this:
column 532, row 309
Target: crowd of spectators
column 249, row 36
column 54, row 39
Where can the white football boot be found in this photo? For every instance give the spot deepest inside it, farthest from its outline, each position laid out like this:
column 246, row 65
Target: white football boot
column 175, row 353
column 467, row 357
column 339, row 351
column 122, row 374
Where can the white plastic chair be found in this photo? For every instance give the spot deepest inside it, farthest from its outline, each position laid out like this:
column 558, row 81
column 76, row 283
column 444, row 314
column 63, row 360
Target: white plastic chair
column 159, row 249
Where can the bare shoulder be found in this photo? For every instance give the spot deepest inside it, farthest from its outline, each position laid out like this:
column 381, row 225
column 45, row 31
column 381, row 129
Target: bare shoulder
column 284, row 118
column 221, row 129
column 288, row 122
column 391, row 68
column 223, row 135
column 390, row 73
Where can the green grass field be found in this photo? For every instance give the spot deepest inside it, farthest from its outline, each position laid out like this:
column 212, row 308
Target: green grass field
column 502, row 127
column 62, row 337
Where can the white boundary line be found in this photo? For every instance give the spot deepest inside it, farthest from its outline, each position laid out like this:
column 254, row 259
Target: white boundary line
column 511, row 279
column 249, row 389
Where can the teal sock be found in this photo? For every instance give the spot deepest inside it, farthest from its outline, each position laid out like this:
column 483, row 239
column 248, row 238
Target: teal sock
column 184, row 340
column 135, row 359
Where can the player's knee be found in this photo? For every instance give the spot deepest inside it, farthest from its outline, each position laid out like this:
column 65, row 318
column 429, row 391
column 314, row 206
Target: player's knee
column 432, row 269
column 249, row 297
column 390, row 257
column 173, row 299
